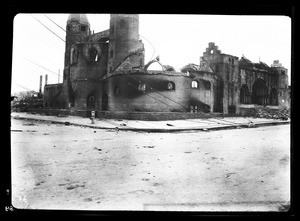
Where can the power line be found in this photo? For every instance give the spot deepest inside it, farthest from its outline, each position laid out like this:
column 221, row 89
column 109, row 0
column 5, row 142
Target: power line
column 22, row 86
column 48, row 28
column 32, row 62
column 55, row 23
column 60, row 28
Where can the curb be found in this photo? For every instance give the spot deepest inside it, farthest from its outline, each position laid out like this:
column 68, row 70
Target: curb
column 162, row 130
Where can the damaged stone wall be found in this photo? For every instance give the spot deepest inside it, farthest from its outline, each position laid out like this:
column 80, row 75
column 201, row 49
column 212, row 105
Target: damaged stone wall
column 226, row 68
column 127, row 93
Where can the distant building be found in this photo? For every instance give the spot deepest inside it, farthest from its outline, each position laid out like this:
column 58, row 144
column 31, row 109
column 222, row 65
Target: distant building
column 105, row 71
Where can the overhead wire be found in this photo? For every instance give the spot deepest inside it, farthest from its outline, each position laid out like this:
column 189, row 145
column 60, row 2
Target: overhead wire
column 47, row 28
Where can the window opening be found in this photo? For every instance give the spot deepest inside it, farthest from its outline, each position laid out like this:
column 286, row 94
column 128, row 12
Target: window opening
column 171, row 86
column 73, row 55
column 142, row 87
column 93, row 54
column 207, row 85
column 83, row 28
column 195, row 84
column 116, row 90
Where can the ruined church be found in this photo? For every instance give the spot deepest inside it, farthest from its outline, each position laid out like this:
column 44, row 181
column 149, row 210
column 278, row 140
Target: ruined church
column 105, row 72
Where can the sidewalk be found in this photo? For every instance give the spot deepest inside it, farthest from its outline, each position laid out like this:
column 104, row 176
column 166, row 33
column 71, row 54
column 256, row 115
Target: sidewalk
column 156, row 126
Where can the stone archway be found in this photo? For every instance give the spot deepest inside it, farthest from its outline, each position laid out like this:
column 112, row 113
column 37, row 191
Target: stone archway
column 91, row 101
column 245, row 95
column 273, row 97
column 259, row 92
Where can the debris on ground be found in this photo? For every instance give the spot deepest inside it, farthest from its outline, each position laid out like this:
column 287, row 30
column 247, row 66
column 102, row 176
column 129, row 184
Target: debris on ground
column 265, row 113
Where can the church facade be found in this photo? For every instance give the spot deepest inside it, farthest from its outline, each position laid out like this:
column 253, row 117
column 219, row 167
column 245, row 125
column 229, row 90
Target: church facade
column 105, row 72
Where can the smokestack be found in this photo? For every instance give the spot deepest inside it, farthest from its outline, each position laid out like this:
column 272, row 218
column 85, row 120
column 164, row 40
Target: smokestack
column 41, row 80
column 46, row 79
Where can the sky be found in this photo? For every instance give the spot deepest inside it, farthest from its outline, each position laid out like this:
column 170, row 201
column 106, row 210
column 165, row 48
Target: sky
column 177, row 39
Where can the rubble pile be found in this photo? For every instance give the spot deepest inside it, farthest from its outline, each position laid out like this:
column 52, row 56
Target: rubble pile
column 264, row 113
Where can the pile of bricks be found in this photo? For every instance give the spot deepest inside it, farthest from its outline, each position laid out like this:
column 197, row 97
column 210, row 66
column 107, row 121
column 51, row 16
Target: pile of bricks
column 262, row 113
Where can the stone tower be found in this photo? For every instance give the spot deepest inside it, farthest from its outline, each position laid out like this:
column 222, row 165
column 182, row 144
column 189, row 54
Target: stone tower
column 77, row 29
column 123, row 40
column 282, row 85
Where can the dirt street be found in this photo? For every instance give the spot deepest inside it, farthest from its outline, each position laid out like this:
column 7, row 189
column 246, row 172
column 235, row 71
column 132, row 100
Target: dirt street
column 67, row 167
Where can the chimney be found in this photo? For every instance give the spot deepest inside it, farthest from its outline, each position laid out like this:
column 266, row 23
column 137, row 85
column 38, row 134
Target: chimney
column 41, row 80
column 46, row 79
column 58, row 76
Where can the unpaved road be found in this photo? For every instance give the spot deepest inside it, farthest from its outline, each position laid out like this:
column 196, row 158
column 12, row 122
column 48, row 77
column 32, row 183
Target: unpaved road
column 67, row 167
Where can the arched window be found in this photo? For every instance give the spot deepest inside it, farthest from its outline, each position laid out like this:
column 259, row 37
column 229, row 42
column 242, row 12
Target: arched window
column 93, row 53
column 244, row 95
column 142, row 87
column 207, row 85
column 195, row 84
column 91, row 101
column 171, row 86
column 259, row 92
column 273, row 97
column 74, row 56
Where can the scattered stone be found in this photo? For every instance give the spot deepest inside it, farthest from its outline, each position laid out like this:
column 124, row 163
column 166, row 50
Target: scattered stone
column 229, row 174
column 148, row 146
column 45, row 134
column 67, row 123
column 144, row 179
column 88, row 199
column 74, row 186
column 265, row 113
column 170, row 125
column 29, row 124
